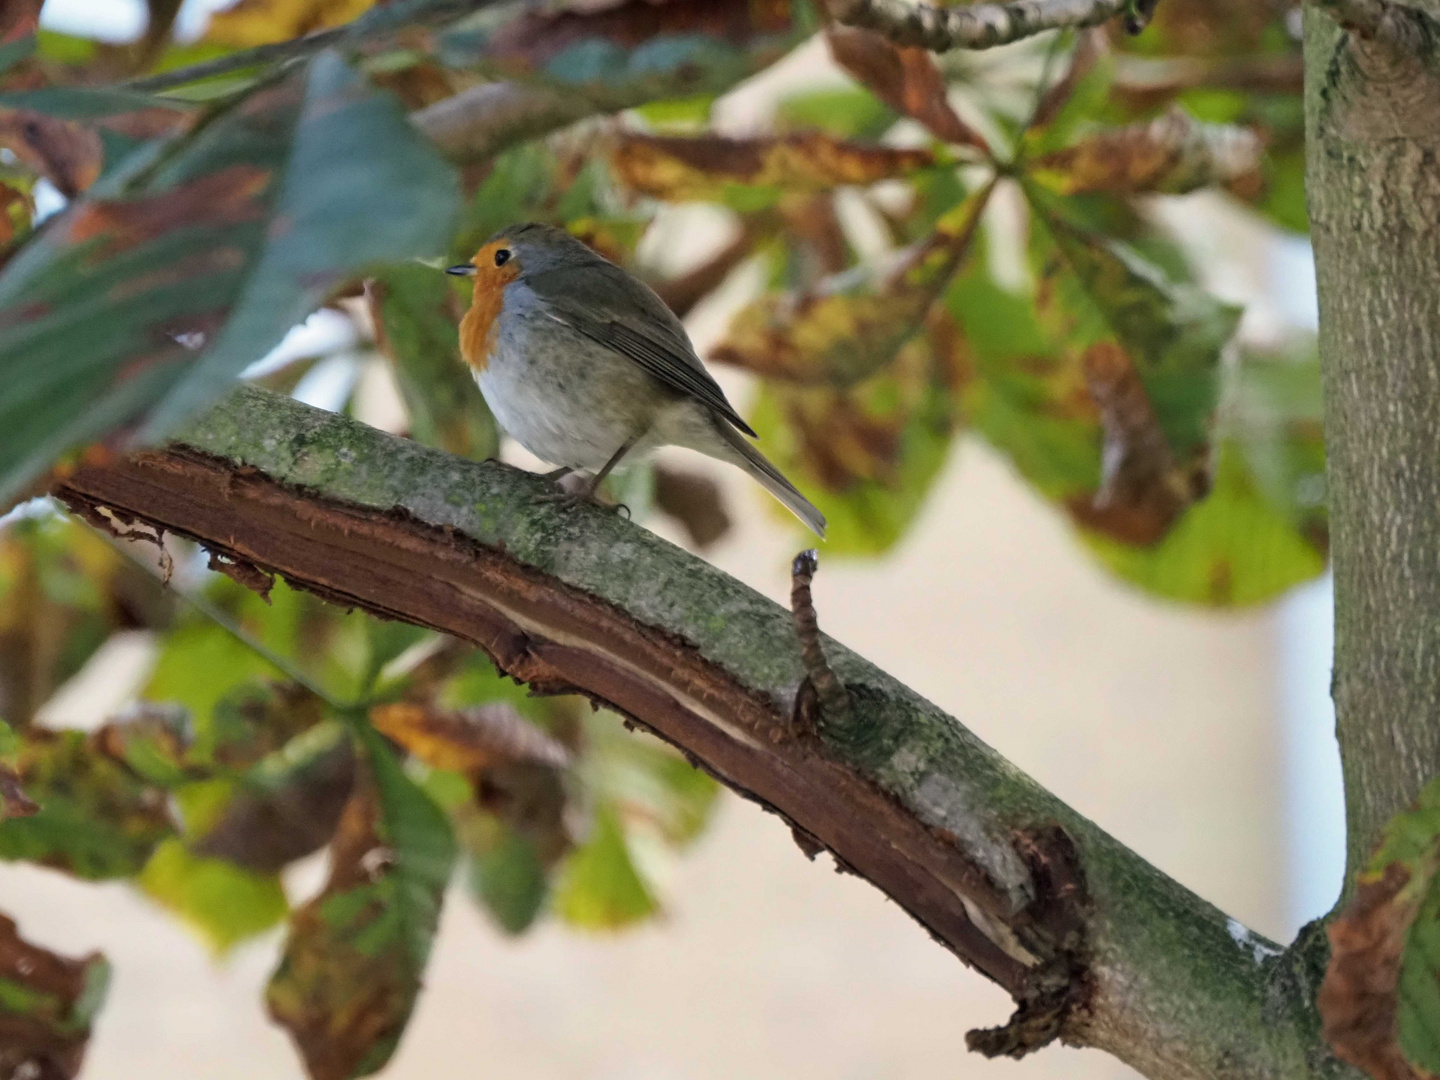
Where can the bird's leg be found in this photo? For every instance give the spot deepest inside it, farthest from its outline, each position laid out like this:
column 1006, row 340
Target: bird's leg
column 554, row 476
column 588, row 490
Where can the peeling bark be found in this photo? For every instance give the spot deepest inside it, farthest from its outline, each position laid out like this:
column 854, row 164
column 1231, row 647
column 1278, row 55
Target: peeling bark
column 1098, row 947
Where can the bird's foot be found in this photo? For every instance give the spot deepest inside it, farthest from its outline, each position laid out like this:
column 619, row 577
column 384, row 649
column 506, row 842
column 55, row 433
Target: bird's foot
column 555, row 476
column 587, row 494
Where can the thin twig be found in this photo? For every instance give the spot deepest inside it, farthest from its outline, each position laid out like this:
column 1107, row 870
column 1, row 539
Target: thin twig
column 834, row 699
column 978, row 26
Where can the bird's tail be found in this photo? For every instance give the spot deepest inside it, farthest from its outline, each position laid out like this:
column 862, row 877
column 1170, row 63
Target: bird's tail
column 757, row 465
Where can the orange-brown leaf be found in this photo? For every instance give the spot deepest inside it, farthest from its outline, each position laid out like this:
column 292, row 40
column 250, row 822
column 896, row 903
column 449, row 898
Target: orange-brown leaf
column 675, row 167
column 66, row 153
column 1142, row 490
column 18, row 18
column 470, row 739
column 1172, row 154
column 1359, row 999
column 905, row 79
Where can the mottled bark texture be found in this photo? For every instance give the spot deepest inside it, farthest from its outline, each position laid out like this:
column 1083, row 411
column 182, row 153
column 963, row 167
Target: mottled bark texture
column 1097, row 946
column 1373, row 178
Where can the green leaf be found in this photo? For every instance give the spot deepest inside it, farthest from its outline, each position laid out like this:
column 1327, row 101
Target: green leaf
column 419, row 835
column 1233, row 548
column 508, row 879
column 221, row 240
column 599, row 887
column 224, row 902
column 416, row 309
column 98, row 820
column 636, row 771
column 351, row 969
column 851, row 113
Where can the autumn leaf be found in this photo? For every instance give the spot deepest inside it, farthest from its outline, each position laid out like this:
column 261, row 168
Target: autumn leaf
column 905, row 79
column 48, row 1004
column 352, row 964
column 1380, row 1001
column 752, row 173
column 260, row 22
column 1172, row 154
column 97, row 819
column 851, row 326
column 470, row 739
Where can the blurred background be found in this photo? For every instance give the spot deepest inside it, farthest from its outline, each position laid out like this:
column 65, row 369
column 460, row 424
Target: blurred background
column 1201, row 738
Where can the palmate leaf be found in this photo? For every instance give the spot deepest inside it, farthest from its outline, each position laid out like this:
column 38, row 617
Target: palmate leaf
column 219, row 244
column 351, row 969
column 1102, row 387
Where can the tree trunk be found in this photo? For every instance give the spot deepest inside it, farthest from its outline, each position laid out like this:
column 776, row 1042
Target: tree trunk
column 1373, row 180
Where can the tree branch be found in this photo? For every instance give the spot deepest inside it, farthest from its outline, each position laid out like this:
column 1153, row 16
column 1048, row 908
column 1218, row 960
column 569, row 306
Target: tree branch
column 978, row 26
column 479, row 122
column 1097, row 946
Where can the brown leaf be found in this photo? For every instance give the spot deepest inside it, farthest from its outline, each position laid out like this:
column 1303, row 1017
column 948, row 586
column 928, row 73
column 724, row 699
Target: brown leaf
column 527, row 44
column 45, row 1019
column 1359, row 998
column 1142, row 490
column 812, row 223
column 695, row 502
column 702, row 167
column 18, row 18
column 13, row 800
column 66, row 153
column 229, row 196
column 341, row 1000
column 682, row 293
column 1173, row 154
column 905, row 79
column 267, row 826
column 468, row 740
column 1088, row 49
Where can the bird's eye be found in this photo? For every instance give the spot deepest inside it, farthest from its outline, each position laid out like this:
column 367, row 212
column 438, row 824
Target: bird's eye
column 502, row 256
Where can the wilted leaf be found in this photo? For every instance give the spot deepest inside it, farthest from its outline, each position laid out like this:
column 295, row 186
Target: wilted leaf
column 287, row 806
column 750, row 174
column 1380, row 1001
column 415, row 317
column 155, row 742
column 867, row 455
column 851, row 327
column 65, row 152
column 227, row 240
column 225, row 903
column 260, row 22
column 352, row 965
column 47, row 1005
column 599, row 887
column 905, row 79
column 97, row 819
column 1172, row 154
column 468, row 740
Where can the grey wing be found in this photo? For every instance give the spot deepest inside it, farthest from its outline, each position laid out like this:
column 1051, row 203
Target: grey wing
column 655, row 340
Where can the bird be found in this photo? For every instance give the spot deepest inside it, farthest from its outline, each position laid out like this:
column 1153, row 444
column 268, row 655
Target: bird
column 584, row 365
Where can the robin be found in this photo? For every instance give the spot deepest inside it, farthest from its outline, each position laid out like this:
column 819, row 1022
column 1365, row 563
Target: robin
column 583, row 364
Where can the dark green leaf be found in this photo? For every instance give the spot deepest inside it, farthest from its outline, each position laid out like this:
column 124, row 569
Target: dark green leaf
column 222, row 243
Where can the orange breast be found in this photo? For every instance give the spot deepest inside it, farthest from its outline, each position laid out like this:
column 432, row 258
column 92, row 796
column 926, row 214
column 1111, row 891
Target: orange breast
column 478, row 327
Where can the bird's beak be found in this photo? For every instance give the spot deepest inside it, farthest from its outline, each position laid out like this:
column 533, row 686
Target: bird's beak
column 463, row 270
